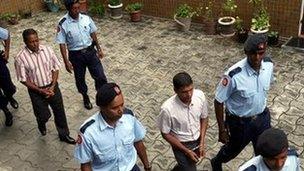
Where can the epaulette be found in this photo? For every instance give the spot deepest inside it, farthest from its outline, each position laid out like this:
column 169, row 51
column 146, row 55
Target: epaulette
column 292, row 152
column 128, row 111
column 62, row 21
column 251, row 168
column 234, row 71
column 86, row 125
column 267, row 59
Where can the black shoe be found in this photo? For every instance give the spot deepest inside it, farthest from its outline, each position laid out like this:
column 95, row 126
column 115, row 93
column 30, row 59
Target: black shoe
column 216, row 166
column 9, row 118
column 13, row 103
column 86, row 101
column 67, row 139
column 42, row 129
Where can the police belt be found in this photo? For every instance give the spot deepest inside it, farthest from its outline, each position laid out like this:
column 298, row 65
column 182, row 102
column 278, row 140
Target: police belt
column 84, row 50
column 245, row 118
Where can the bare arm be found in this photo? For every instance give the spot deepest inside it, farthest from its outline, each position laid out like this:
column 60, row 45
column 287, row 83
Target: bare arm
column 63, row 51
column 174, row 142
column 99, row 50
column 141, row 151
column 219, row 111
column 204, row 125
column 34, row 87
column 86, row 167
column 7, row 43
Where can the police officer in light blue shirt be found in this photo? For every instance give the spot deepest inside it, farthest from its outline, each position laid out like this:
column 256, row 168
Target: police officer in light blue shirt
column 111, row 139
column 77, row 33
column 275, row 155
column 243, row 92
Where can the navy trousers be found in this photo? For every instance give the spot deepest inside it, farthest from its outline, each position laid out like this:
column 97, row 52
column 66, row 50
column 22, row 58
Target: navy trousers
column 242, row 131
column 6, row 85
column 82, row 59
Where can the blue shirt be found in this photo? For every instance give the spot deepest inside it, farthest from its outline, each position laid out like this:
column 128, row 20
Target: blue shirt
column 3, row 35
column 109, row 148
column 75, row 33
column 243, row 90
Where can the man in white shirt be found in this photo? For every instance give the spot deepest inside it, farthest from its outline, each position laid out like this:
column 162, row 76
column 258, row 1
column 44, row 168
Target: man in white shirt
column 272, row 145
column 183, row 122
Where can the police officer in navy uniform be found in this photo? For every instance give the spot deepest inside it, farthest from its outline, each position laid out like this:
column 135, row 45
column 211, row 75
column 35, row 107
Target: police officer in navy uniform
column 243, row 91
column 77, row 33
column 7, row 88
column 272, row 145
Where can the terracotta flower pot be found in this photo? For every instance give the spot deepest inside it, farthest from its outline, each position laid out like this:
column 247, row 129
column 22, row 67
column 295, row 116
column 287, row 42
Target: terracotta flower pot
column 209, row 26
column 135, row 16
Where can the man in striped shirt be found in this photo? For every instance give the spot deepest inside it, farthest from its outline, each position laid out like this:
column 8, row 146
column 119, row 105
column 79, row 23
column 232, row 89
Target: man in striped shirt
column 37, row 67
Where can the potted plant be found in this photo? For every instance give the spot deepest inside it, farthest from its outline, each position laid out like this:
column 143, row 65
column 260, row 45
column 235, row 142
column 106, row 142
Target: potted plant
column 208, row 19
column 183, row 15
column 83, row 6
column 241, row 32
column 10, row 18
column 52, row 5
column 226, row 23
column 260, row 21
column 134, row 10
column 115, row 9
column 273, row 38
column 96, row 9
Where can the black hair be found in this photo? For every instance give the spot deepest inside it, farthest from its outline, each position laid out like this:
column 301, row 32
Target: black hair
column 69, row 3
column 27, row 32
column 181, row 80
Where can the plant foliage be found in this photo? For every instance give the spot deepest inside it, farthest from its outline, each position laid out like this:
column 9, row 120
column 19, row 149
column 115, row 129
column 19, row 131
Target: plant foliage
column 134, row 7
column 185, row 11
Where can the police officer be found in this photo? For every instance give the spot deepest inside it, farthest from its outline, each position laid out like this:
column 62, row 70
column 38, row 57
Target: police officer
column 111, row 138
column 77, row 33
column 272, row 145
column 7, row 88
column 243, row 91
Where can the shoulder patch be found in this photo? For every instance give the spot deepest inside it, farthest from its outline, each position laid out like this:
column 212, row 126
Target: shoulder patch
column 251, row 168
column 128, row 111
column 292, row 152
column 267, row 59
column 86, row 125
column 62, row 21
column 234, row 71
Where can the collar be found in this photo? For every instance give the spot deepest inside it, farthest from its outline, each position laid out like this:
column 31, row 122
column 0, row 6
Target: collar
column 251, row 71
column 178, row 101
column 31, row 52
column 70, row 19
column 103, row 124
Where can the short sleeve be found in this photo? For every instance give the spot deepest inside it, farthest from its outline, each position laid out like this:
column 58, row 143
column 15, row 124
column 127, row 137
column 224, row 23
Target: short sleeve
column 164, row 121
column 204, row 113
column 92, row 26
column 3, row 34
column 224, row 89
column 139, row 130
column 61, row 35
column 83, row 150
column 20, row 70
column 55, row 62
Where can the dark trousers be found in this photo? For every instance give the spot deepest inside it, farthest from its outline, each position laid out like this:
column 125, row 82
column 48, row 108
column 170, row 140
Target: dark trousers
column 7, row 87
column 42, row 112
column 184, row 163
column 242, row 131
column 87, row 58
column 135, row 168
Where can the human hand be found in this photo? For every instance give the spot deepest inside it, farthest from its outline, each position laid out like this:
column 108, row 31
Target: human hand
column 223, row 136
column 191, row 154
column 46, row 92
column 69, row 66
column 100, row 54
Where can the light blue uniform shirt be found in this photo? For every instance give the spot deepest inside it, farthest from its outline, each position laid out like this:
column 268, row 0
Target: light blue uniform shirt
column 292, row 163
column 75, row 33
column 109, row 148
column 3, row 35
column 243, row 90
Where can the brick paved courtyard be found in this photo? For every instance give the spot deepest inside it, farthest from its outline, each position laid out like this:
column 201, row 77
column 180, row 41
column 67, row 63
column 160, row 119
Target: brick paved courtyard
column 142, row 58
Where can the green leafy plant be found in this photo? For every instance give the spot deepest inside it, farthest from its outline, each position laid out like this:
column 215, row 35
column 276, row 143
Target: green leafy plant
column 114, row 2
column 273, row 34
column 96, row 8
column 134, row 7
column 239, row 24
column 185, row 11
column 209, row 10
column 260, row 21
column 229, row 6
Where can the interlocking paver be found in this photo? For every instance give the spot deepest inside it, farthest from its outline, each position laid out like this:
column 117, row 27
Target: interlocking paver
column 142, row 58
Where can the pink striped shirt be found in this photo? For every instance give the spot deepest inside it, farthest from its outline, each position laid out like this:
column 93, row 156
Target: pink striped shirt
column 36, row 67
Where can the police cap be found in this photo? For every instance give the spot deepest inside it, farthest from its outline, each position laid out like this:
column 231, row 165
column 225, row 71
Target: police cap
column 255, row 43
column 107, row 93
column 272, row 142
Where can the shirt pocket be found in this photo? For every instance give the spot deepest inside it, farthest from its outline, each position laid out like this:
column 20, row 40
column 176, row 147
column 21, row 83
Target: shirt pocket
column 247, row 97
column 105, row 156
column 128, row 145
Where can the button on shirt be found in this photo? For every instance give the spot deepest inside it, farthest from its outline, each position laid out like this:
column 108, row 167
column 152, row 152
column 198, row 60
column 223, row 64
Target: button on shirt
column 245, row 94
column 3, row 35
column 110, row 148
column 181, row 119
column 292, row 163
column 76, row 33
column 37, row 67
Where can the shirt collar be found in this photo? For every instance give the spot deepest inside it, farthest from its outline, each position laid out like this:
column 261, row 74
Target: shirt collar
column 31, row 52
column 103, row 124
column 70, row 19
column 251, row 71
